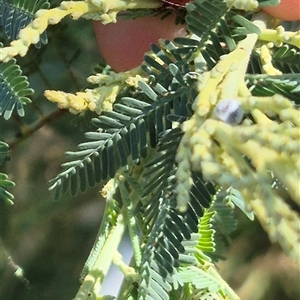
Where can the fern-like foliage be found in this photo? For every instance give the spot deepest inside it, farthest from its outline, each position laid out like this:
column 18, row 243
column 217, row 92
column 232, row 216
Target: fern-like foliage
column 4, row 153
column 143, row 131
column 16, row 14
column 4, row 181
column 224, row 224
column 287, row 59
column 14, row 89
column 125, row 136
column 164, row 228
column 4, row 194
column 136, row 144
column 287, row 85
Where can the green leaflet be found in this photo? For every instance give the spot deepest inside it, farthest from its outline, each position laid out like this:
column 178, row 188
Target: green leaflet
column 210, row 12
column 4, row 153
column 14, row 89
column 4, row 181
column 16, row 14
column 200, row 279
column 287, row 85
column 287, row 59
column 4, row 194
column 268, row 2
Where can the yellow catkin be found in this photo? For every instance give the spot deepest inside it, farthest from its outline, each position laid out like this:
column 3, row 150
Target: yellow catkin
column 280, row 36
column 266, row 60
column 104, row 10
column 247, row 156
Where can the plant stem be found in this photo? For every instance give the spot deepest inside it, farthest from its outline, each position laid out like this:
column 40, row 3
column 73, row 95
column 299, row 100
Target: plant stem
column 98, row 244
column 229, row 291
column 126, row 285
column 91, row 285
column 28, row 131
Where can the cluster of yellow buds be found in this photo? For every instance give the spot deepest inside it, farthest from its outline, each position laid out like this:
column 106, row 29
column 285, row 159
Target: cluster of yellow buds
column 102, row 10
column 75, row 103
column 98, row 99
column 239, row 140
column 43, row 18
column 279, row 36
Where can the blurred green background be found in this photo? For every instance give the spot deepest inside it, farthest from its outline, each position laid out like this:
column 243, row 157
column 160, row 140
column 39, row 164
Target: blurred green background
column 51, row 240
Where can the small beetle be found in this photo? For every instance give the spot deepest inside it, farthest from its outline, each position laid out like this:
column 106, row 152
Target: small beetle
column 229, row 111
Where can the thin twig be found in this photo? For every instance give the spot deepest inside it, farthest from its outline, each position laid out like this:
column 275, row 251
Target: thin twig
column 32, row 129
